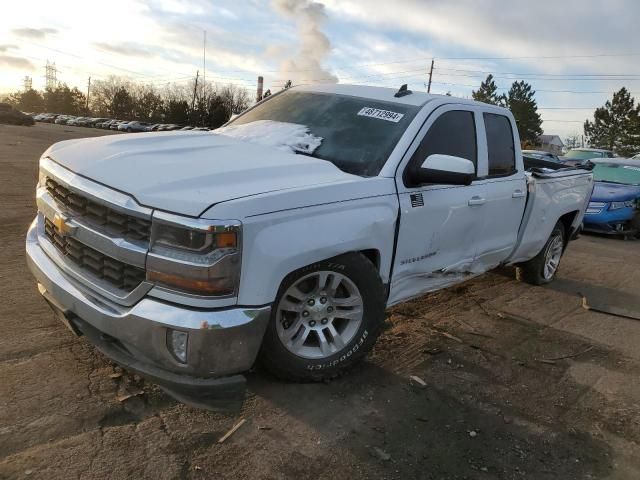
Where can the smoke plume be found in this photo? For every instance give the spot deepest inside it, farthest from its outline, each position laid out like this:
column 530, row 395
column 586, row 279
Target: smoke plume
column 313, row 45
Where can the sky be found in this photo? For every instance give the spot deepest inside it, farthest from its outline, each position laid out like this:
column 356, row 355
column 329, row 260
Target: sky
column 574, row 53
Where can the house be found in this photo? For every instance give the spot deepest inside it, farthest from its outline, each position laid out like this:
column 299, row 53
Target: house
column 551, row 144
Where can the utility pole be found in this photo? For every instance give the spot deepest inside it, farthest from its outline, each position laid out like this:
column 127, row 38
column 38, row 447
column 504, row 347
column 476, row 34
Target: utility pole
column 204, row 63
column 193, row 100
column 430, row 76
column 88, row 90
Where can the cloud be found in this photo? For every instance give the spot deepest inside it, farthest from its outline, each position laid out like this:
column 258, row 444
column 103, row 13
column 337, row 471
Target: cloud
column 16, row 63
column 126, row 49
column 34, row 33
column 4, row 48
column 500, row 28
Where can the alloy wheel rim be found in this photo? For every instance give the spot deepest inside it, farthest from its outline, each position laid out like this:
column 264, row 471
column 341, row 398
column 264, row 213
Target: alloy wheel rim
column 552, row 257
column 319, row 314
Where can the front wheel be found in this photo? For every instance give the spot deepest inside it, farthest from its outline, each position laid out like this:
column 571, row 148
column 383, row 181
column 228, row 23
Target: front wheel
column 327, row 316
column 542, row 268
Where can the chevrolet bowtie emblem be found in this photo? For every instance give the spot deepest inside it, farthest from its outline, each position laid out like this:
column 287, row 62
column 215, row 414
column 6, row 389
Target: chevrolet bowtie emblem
column 60, row 222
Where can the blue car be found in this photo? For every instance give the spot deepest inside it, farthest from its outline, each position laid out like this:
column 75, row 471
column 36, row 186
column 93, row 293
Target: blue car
column 614, row 207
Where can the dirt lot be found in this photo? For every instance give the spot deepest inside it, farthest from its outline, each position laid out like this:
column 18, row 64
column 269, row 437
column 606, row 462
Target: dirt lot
column 500, row 402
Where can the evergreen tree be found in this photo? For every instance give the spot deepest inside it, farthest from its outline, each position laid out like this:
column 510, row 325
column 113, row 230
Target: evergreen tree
column 616, row 125
column 488, row 93
column 29, row 101
column 63, row 99
column 521, row 102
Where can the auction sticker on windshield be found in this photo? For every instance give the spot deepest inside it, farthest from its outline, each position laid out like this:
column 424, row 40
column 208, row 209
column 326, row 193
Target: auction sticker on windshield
column 381, row 114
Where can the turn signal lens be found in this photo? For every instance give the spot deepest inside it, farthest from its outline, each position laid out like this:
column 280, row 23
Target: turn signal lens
column 212, row 286
column 226, row 240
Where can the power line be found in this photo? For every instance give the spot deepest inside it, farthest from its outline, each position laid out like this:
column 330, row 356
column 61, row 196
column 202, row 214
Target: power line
column 537, row 90
column 544, row 74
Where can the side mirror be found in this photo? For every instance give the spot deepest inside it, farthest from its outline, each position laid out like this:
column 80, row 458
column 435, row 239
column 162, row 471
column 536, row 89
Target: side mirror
column 446, row 170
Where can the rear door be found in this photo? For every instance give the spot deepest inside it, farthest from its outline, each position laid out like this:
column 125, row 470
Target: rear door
column 439, row 224
column 505, row 191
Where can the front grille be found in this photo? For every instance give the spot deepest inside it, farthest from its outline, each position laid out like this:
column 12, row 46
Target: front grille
column 116, row 273
column 111, row 222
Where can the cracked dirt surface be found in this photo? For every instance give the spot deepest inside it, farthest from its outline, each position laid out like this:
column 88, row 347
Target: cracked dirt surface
column 495, row 405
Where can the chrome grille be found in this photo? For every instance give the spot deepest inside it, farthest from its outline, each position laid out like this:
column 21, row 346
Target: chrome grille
column 116, row 273
column 111, row 222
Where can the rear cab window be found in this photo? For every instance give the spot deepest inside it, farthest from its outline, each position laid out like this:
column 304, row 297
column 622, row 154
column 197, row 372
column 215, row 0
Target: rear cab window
column 500, row 145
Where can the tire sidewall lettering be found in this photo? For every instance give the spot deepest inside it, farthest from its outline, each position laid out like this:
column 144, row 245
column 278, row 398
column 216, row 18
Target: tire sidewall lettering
column 346, row 355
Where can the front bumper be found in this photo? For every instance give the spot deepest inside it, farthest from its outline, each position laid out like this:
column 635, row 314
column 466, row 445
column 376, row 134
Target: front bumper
column 613, row 222
column 221, row 343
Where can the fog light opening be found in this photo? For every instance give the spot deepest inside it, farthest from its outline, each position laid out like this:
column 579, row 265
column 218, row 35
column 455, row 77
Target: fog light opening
column 177, row 342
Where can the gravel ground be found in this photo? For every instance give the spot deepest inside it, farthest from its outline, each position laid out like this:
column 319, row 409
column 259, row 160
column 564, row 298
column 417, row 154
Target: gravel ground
column 499, row 401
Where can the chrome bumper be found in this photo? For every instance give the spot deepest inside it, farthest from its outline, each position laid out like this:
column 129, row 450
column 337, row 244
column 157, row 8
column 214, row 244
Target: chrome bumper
column 220, row 343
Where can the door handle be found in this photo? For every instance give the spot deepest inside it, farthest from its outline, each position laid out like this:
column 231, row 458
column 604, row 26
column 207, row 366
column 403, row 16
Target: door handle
column 518, row 194
column 476, row 200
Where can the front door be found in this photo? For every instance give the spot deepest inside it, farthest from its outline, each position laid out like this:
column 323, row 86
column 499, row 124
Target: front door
column 439, row 224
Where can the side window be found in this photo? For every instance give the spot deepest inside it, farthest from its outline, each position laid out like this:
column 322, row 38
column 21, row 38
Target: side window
column 453, row 133
column 500, row 146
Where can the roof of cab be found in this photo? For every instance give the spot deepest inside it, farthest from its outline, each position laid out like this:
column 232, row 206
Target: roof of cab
column 384, row 94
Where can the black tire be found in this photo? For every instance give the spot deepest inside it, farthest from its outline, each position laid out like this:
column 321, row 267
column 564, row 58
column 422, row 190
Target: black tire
column 284, row 364
column 532, row 271
column 635, row 224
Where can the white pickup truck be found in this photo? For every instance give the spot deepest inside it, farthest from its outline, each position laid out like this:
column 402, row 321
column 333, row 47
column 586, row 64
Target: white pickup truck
column 284, row 235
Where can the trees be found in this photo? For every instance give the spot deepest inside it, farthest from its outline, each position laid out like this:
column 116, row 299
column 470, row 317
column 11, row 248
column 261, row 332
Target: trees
column 29, row 101
column 572, row 141
column 520, row 100
column 616, row 125
column 488, row 93
column 209, row 105
column 63, row 99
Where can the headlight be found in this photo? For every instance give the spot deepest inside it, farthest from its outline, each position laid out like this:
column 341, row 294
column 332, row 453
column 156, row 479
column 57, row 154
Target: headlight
column 625, row 204
column 200, row 257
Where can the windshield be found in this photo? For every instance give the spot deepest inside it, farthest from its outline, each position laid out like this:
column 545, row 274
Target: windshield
column 583, row 155
column 609, row 172
column 357, row 134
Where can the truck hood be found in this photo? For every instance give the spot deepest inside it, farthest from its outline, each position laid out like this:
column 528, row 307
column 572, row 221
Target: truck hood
column 187, row 172
column 614, row 192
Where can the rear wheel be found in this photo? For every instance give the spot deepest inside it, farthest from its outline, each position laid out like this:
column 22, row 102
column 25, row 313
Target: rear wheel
column 542, row 268
column 326, row 318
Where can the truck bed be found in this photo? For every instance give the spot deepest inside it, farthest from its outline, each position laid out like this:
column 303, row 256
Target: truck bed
column 553, row 190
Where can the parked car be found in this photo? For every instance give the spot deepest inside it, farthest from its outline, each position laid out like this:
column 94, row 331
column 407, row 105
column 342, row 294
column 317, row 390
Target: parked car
column 135, row 126
column 104, row 124
column 95, row 121
column 116, row 125
column 580, row 156
column 76, row 122
column 63, row 119
column 213, row 249
column 542, row 155
column 614, row 207
column 170, row 127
